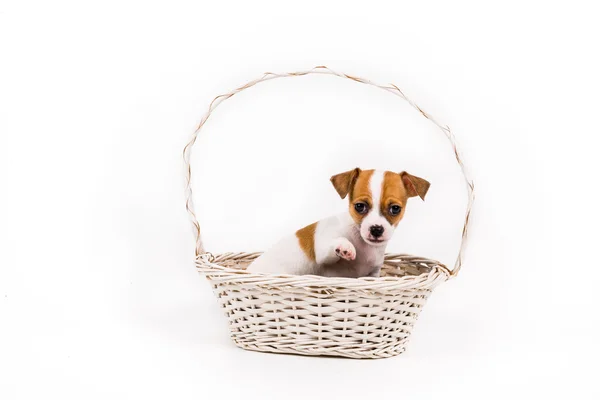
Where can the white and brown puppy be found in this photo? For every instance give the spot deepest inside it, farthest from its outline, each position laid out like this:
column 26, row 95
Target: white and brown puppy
column 351, row 244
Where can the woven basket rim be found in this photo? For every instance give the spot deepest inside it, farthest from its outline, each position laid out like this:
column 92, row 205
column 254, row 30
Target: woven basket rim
column 428, row 280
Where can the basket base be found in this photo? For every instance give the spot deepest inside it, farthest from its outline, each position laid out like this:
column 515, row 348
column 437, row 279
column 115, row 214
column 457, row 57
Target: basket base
column 321, row 352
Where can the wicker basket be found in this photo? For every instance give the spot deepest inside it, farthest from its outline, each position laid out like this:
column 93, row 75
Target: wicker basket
column 313, row 315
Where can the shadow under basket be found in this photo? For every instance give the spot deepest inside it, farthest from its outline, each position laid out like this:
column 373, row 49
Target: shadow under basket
column 314, row 315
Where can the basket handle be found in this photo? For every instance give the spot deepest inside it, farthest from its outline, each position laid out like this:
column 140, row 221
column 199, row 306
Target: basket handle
column 187, row 151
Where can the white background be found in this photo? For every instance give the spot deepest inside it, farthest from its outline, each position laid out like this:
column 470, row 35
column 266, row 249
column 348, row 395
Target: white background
column 98, row 294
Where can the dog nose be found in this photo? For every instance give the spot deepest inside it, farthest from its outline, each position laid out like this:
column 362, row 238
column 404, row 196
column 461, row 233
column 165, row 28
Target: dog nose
column 376, row 230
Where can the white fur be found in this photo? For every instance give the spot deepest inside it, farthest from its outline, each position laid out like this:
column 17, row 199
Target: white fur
column 374, row 216
column 286, row 257
column 338, row 232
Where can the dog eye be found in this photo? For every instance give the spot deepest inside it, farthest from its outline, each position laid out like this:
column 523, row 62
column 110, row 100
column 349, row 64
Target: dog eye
column 361, row 208
column 395, row 209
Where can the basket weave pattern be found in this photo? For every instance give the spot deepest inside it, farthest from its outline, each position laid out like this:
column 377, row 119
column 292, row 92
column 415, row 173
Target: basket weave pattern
column 313, row 315
column 358, row 318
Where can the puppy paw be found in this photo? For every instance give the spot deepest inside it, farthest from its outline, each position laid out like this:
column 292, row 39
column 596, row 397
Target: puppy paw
column 345, row 250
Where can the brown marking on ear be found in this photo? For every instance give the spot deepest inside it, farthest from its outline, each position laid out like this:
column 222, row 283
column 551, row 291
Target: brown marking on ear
column 344, row 182
column 306, row 239
column 393, row 192
column 415, row 186
column 361, row 191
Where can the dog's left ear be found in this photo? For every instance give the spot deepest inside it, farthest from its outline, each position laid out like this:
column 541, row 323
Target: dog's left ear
column 414, row 185
column 344, row 182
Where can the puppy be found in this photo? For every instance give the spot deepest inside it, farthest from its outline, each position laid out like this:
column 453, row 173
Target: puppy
column 351, row 244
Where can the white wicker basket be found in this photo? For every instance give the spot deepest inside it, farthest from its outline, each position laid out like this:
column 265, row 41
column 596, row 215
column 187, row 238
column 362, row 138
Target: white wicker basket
column 312, row 315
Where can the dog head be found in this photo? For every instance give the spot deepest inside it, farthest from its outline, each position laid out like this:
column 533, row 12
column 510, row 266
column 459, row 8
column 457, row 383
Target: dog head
column 377, row 200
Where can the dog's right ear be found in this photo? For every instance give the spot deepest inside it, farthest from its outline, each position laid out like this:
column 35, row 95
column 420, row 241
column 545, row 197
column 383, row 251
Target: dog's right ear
column 344, row 182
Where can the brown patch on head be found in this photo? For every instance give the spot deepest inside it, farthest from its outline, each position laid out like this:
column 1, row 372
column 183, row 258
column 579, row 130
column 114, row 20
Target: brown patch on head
column 361, row 193
column 356, row 184
column 306, row 239
column 397, row 188
column 393, row 192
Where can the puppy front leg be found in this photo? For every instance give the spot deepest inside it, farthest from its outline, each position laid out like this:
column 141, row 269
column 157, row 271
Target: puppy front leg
column 338, row 248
